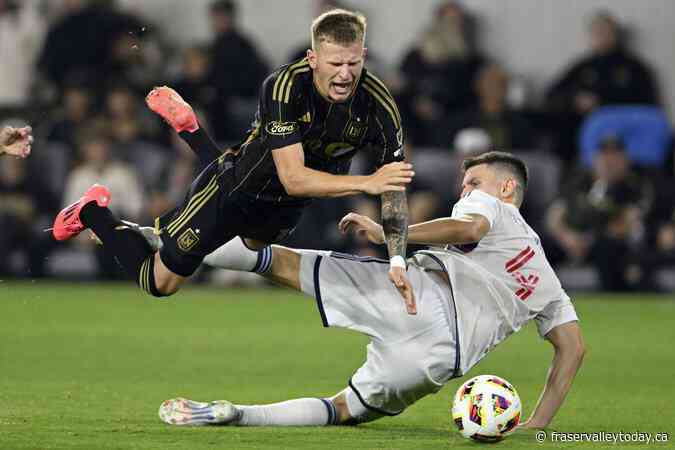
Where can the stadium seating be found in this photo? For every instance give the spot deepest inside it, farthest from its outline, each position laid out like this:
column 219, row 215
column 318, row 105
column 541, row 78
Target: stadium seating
column 644, row 130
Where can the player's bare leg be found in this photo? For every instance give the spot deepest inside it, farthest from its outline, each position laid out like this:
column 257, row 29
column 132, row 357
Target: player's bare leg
column 166, row 281
column 285, row 269
column 274, row 262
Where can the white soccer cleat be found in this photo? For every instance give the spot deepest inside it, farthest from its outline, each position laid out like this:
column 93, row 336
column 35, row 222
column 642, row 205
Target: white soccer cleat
column 184, row 412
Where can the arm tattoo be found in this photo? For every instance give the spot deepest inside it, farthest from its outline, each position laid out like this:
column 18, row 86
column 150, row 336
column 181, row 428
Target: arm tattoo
column 395, row 222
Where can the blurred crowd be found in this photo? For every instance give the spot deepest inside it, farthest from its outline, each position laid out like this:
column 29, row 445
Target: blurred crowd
column 599, row 145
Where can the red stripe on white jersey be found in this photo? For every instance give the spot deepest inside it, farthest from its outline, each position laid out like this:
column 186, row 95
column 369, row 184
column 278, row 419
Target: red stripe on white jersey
column 512, row 266
column 527, row 293
column 517, row 257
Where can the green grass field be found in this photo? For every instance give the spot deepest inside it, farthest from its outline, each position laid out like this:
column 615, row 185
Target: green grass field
column 85, row 366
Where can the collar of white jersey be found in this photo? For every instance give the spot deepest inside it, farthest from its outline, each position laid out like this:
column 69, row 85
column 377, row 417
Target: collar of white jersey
column 488, row 197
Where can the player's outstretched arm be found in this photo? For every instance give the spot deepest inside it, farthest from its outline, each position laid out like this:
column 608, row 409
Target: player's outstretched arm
column 301, row 181
column 16, row 141
column 442, row 231
column 569, row 350
column 465, row 230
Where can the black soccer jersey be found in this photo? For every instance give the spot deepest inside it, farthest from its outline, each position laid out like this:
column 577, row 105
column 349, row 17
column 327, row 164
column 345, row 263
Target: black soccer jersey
column 291, row 110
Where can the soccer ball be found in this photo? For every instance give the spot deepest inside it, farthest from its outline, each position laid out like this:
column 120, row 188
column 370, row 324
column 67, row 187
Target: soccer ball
column 486, row 408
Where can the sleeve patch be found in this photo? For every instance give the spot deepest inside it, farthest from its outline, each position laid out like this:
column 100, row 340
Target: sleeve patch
column 277, row 128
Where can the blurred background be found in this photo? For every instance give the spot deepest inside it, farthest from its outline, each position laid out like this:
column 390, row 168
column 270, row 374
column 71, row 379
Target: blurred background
column 583, row 90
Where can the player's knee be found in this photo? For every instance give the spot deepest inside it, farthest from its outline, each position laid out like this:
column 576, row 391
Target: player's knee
column 157, row 280
column 164, row 287
column 343, row 415
column 350, row 410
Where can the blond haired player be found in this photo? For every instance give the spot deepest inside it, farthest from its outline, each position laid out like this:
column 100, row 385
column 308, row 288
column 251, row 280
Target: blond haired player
column 314, row 115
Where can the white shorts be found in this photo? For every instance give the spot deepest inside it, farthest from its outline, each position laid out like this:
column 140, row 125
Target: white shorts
column 409, row 356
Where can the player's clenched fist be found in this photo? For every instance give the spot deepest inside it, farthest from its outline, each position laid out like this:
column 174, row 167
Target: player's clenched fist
column 389, row 178
column 16, row 141
column 363, row 227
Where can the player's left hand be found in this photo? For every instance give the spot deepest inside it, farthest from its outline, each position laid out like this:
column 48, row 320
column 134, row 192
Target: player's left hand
column 16, row 141
column 362, row 227
column 398, row 276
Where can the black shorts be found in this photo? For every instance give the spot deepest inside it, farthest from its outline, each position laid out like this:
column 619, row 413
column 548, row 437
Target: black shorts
column 212, row 214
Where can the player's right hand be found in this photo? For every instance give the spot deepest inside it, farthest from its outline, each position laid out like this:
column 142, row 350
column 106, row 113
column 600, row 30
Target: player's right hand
column 16, row 141
column 363, row 227
column 391, row 177
column 397, row 275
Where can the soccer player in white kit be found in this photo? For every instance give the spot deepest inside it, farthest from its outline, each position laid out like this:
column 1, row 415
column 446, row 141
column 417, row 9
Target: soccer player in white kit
column 491, row 278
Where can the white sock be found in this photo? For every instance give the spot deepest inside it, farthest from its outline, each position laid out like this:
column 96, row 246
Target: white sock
column 299, row 412
column 235, row 255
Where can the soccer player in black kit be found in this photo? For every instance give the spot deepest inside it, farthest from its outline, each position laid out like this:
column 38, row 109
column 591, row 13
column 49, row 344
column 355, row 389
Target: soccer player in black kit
column 314, row 115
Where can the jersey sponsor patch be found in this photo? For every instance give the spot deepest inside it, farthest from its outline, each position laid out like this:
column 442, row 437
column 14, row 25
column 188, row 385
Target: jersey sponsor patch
column 188, row 240
column 276, row 128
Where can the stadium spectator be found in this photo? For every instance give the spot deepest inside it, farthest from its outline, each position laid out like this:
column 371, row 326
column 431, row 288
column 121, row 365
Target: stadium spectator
column 98, row 166
column 135, row 56
column 131, row 146
column 438, row 73
column 25, row 207
column 665, row 241
column 236, row 73
column 21, row 33
column 193, row 81
column 123, row 104
column 609, row 74
column 74, row 110
column 79, row 46
column 660, row 231
column 599, row 218
column 506, row 128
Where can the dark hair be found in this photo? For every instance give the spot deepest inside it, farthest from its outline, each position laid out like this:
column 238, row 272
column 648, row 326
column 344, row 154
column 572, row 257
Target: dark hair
column 228, row 7
column 339, row 26
column 611, row 142
column 503, row 161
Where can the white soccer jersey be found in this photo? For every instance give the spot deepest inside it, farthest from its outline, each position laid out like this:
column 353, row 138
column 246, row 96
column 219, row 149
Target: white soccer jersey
column 502, row 282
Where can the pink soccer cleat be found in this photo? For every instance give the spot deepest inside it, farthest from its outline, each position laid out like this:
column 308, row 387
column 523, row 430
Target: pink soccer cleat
column 67, row 223
column 172, row 108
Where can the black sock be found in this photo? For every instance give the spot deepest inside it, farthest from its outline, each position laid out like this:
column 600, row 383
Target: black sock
column 201, row 143
column 129, row 247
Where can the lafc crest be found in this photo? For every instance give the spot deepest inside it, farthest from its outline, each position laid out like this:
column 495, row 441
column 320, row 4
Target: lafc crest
column 355, row 130
column 188, row 240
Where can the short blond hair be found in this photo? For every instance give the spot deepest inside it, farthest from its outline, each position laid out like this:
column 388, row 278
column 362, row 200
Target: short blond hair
column 339, row 26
